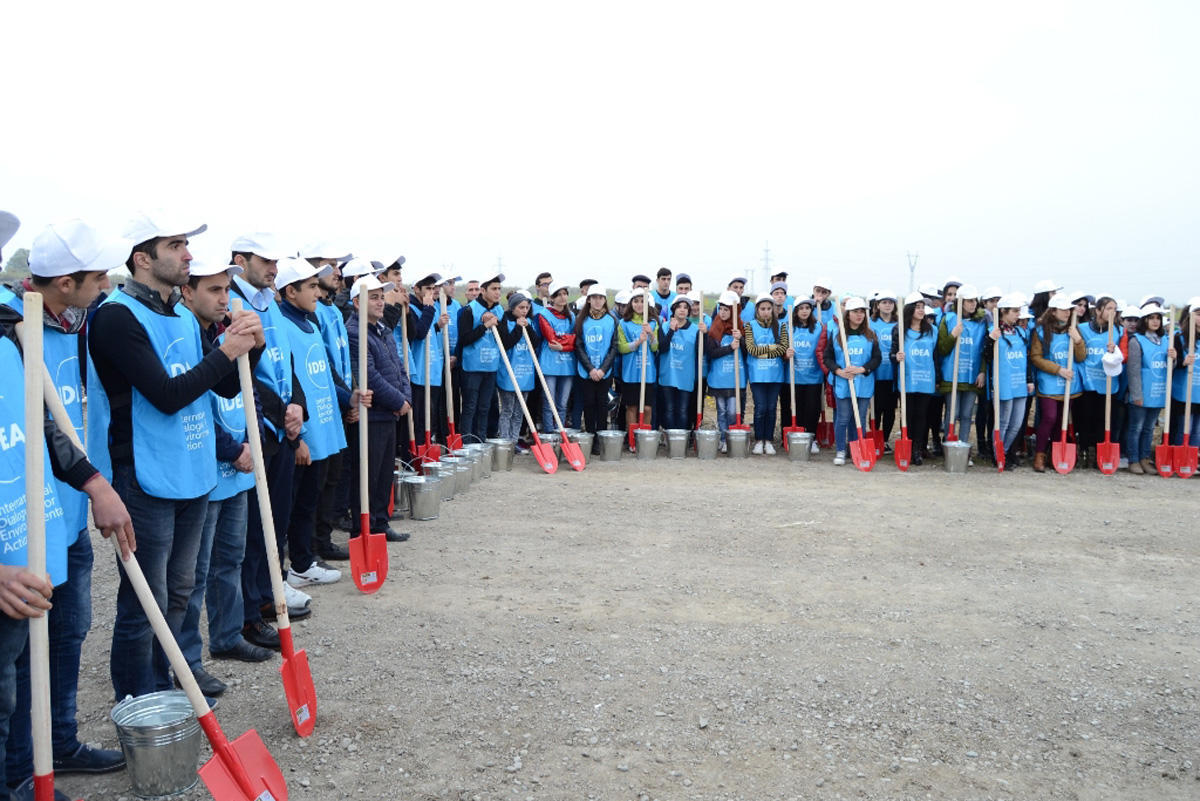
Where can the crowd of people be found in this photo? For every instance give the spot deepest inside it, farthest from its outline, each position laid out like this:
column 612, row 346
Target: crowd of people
column 169, row 471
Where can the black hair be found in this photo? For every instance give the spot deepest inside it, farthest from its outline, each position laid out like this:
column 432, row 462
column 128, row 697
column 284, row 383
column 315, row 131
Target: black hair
column 926, row 323
column 662, row 271
column 540, row 276
column 149, row 247
column 41, row 280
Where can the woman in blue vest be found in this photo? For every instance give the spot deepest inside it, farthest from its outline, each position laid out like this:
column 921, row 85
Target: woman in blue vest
column 920, row 345
column 635, row 329
column 595, row 355
column 970, row 333
column 859, row 366
column 677, row 363
column 1088, row 411
column 724, row 336
column 556, row 355
column 1016, row 375
column 883, row 323
column 1149, row 351
column 803, row 340
column 1054, row 348
column 514, row 321
column 766, row 345
column 1190, row 316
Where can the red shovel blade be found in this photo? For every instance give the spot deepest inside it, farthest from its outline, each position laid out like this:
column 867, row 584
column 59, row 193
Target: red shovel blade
column 1164, row 459
column 368, row 560
column 1184, row 460
column 903, row 452
column 428, row 453
column 1108, row 456
column 454, row 440
column 298, row 685
column 633, row 429
column 1063, row 455
column 249, row 756
column 573, row 454
column 792, row 429
column 862, row 453
column 825, row 434
column 998, row 449
column 738, row 425
column 35, row 788
column 545, row 456
column 877, row 439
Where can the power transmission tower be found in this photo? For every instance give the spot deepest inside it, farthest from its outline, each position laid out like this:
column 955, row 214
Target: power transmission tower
column 912, row 269
column 766, row 264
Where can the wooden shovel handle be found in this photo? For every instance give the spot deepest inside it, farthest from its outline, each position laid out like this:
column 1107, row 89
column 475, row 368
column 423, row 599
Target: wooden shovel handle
column 513, row 377
column 446, row 361
column 542, row 380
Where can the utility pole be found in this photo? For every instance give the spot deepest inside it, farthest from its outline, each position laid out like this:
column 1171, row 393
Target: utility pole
column 766, row 265
column 912, row 269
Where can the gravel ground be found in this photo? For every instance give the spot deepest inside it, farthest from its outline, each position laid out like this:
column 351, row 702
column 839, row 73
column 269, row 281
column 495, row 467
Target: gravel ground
column 800, row 631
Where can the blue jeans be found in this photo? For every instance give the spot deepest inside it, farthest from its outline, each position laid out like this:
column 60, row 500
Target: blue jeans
column 168, row 543
column 964, row 412
column 478, row 397
column 1139, row 435
column 726, row 413
column 69, row 622
column 218, row 579
column 843, row 424
column 560, row 394
column 14, row 634
column 1012, row 420
column 675, row 407
column 510, row 415
column 766, row 397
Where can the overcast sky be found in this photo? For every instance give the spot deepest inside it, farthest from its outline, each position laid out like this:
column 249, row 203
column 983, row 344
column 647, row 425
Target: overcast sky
column 1004, row 143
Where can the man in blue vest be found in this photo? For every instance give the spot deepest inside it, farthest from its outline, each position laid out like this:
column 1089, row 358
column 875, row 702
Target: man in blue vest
column 68, row 263
column 663, row 296
column 480, row 356
column 281, row 399
column 150, row 417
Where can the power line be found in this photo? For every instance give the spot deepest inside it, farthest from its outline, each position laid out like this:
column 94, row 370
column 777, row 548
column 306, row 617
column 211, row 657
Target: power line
column 912, row 269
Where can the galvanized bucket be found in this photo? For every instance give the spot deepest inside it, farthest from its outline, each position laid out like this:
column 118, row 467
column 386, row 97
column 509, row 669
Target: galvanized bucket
column 445, row 472
column 706, row 443
column 484, row 453
column 552, row 439
column 647, row 444
column 503, row 451
column 610, row 445
column 677, row 442
column 739, row 443
column 471, row 459
column 425, row 496
column 161, row 740
column 799, row 446
column 958, row 456
column 585, row 440
column 400, row 504
column 460, row 473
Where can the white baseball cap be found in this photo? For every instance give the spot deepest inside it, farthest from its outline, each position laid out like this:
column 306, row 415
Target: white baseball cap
column 557, row 287
column 1194, row 303
column 624, row 296
column 765, row 297
column 914, row 297
column 855, row 303
column 728, row 298
column 148, row 225
column 1113, row 363
column 992, row 292
column 429, row 279
column 823, row 282
column 293, row 269
column 885, row 294
column 203, row 268
column 1061, row 302
column 1013, row 301
column 497, row 278
column 931, row 290
column 73, row 246
column 324, row 250
column 968, row 292
column 1025, row 314
column 1153, row 308
column 8, row 227
column 369, row 283
column 1046, row 286
column 260, row 244
column 359, row 266
column 596, row 289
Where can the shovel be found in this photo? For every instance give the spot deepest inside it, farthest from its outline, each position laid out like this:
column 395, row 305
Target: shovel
column 368, row 551
column 862, row 450
column 793, row 428
column 825, row 436
column 737, row 392
column 1063, row 452
column 429, row 452
column 1184, row 456
column 412, row 434
column 542, row 452
column 903, row 450
column 571, row 450
column 1108, row 453
column 1164, row 454
column 874, row 433
column 297, row 678
column 641, row 425
column 951, row 432
column 454, row 440
column 699, row 375
column 997, row 437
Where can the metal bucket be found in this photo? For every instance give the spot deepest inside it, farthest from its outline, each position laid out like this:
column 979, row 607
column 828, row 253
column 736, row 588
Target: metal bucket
column 502, row 454
column 677, row 442
column 706, row 443
column 552, row 439
column 585, row 440
column 799, row 446
column 459, row 472
column 958, row 455
column 739, row 443
column 483, row 452
column 425, row 496
column 161, row 740
column 471, row 459
column 445, row 472
column 647, row 444
column 400, row 505
column 610, row 445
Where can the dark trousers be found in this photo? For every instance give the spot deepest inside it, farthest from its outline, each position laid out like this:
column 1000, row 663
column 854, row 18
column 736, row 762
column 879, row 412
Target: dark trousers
column 766, row 395
column 886, row 398
column 808, row 407
column 327, row 509
column 437, row 414
column 594, row 397
column 934, row 419
column 306, row 498
column 381, row 447
column 14, row 635
column 785, row 404
column 918, row 406
column 677, row 403
column 985, row 421
column 478, row 401
column 256, row 577
column 1088, row 415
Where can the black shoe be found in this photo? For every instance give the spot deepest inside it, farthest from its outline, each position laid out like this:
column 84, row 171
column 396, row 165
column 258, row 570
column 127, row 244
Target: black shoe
column 396, row 536
column 938, row 453
column 294, row 613
column 243, row 651
column 90, row 760
column 260, row 634
column 334, row 553
column 210, row 685
column 917, row 460
column 344, row 523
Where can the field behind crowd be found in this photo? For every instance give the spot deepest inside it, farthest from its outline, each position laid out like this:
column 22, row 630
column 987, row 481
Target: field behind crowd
column 752, row 630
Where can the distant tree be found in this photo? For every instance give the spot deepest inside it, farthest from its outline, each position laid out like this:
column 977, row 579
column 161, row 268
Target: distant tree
column 17, row 266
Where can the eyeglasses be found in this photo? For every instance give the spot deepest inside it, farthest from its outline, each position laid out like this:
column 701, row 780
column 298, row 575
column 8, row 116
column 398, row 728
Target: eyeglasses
column 543, row 284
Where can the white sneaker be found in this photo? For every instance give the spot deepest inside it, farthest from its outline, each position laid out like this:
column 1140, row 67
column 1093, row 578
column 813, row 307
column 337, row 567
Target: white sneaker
column 758, row 447
column 724, row 448
column 314, row 575
column 815, row 447
column 294, row 598
column 768, row 449
column 839, row 457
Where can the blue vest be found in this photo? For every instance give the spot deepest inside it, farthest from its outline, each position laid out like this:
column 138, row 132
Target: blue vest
column 720, row 370
column 1154, row 371
column 14, row 528
column 1014, row 365
column 275, row 365
column 453, row 307
column 1180, row 375
column 323, row 431
column 521, row 359
column 1060, row 352
column 560, row 362
column 884, row 331
column 970, row 350
column 437, row 356
column 337, row 340
column 631, row 363
column 481, row 356
column 663, row 305
column 174, row 455
column 919, row 362
column 860, row 354
column 60, row 352
column 677, row 367
column 804, row 347
column 1092, row 369
column 230, row 414
column 597, row 339
column 764, row 370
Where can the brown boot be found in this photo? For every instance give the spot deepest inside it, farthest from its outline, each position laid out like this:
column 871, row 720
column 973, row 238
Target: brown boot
column 1136, row 469
column 1039, row 462
column 1148, row 467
